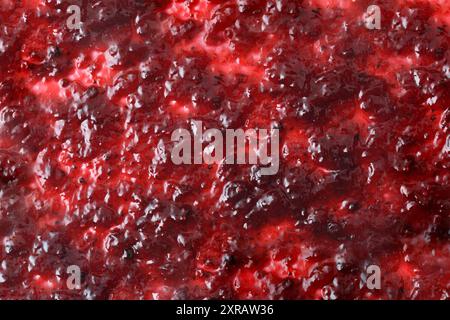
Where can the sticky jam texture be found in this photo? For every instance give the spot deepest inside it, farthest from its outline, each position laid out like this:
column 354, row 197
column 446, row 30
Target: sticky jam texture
column 86, row 177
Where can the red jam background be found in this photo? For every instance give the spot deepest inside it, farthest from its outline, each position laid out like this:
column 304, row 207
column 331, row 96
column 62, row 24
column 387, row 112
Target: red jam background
column 86, row 177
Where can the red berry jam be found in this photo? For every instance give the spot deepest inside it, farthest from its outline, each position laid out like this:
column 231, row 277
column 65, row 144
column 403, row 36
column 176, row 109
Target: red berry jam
column 86, row 116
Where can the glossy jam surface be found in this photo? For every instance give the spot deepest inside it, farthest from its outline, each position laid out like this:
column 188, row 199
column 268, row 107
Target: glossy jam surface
column 86, row 177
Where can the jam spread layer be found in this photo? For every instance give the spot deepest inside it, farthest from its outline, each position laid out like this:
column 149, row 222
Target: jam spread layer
column 86, row 180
